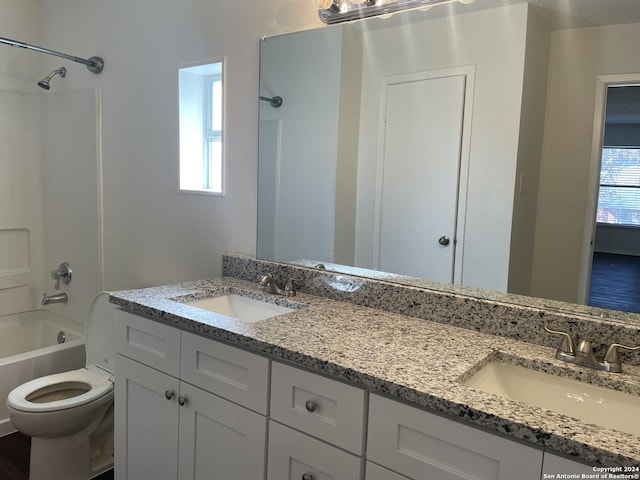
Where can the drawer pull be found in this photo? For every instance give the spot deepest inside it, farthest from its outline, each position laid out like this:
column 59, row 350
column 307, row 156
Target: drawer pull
column 311, row 407
column 182, row 401
column 307, row 476
column 168, row 394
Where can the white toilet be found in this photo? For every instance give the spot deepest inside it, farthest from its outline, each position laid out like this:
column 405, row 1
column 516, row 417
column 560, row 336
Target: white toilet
column 69, row 415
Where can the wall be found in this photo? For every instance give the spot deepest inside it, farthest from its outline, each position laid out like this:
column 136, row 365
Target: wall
column 493, row 41
column 20, row 181
column 577, row 57
column 305, row 156
column 534, row 93
column 152, row 233
column 71, row 195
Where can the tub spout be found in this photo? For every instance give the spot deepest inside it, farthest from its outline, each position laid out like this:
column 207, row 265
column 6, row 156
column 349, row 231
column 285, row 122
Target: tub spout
column 57, row 298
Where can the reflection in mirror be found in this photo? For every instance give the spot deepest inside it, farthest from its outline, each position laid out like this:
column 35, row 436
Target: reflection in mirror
column 463, row 148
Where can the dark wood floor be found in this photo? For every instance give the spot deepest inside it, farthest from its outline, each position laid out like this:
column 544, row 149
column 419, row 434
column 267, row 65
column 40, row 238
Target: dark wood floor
column 615, row 282
column 14, row 458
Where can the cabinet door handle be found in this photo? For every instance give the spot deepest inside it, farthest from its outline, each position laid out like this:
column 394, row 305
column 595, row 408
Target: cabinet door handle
column 182, row 401
column 311, row 407
column 307, row 476
column 168, row 394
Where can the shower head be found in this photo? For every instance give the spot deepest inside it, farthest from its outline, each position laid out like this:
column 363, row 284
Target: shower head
column 44, row 83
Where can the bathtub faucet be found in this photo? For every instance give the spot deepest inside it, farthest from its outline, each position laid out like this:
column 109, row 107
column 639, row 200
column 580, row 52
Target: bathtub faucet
column 57, row 298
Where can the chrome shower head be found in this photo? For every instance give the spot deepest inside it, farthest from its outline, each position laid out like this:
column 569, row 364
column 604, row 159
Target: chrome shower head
column 44, row 83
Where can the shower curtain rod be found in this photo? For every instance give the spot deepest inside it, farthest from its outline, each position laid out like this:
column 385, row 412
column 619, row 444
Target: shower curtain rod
column 94, row 64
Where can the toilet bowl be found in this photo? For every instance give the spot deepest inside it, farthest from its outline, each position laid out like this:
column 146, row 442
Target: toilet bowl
column 69, row 415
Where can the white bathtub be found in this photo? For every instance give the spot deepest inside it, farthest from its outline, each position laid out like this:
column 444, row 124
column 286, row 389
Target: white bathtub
column 29, row 349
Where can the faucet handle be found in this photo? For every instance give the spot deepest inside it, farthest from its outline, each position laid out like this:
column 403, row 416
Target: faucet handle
column 613, row 355
column 64, row 273
column 290, row 287
column 566, row 346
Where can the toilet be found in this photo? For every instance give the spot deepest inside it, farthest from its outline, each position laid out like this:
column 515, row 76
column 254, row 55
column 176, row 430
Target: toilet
column 69, row 415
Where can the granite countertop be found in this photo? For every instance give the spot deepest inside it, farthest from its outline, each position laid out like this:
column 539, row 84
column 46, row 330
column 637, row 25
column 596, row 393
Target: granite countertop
column 414, row 360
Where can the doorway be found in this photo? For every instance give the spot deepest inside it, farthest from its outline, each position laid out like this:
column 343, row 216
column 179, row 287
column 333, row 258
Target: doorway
column 614, row 270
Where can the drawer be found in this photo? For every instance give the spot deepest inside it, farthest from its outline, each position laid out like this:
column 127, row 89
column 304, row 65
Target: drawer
column 422, row 445
column 229, row 372
column 376, row 472
column 294, row 455
column 319, row 406
column 151, row 343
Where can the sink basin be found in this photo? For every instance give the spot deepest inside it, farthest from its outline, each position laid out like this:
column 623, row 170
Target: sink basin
column 239, row 307
column 590, row 403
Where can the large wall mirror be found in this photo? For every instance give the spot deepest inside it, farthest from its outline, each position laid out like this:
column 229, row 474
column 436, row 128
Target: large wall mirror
column 459, row 145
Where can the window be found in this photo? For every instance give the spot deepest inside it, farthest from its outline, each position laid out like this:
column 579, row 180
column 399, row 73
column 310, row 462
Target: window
column 201, row 99
column 619, row 194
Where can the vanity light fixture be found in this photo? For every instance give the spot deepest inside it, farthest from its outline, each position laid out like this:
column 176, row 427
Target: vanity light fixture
column 336, row 11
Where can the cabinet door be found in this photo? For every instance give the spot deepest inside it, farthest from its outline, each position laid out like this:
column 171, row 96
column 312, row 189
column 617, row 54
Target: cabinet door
column 554, row 466
column 294, row 456
column 146, row 422
column 218, row 439
column 424, row 446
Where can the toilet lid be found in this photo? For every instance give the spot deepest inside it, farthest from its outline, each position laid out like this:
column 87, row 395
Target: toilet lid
column 98, row 336
column 97, row 384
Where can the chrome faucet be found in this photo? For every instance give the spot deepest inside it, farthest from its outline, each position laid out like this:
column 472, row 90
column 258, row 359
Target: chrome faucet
column 584, row 355
column 271, row 285
column 57, row 298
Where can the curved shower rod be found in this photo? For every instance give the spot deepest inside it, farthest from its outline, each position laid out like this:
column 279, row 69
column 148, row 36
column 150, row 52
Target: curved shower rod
column 94, row 64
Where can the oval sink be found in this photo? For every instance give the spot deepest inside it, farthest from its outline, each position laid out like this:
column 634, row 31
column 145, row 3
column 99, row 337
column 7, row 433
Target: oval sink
column 239, row 307
column 590, row 403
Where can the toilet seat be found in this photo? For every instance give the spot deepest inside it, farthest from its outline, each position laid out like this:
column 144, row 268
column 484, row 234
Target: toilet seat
column 97, row 382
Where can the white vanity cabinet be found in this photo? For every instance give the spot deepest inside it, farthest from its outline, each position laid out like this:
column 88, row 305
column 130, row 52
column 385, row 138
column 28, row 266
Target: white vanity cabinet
column 421, row 445
column 317, row 427
column 188, row 407
column 169, row 424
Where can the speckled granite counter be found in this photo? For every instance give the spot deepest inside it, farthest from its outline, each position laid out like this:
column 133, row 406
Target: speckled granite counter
column 413, row 360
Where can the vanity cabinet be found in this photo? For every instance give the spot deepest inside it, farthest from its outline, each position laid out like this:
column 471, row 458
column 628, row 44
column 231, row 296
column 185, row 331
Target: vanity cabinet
column 170, row 421
column 189, row 407
column 422, row 445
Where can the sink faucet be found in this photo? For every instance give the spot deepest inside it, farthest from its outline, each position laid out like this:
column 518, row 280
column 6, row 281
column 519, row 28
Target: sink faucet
column 584, row 355
column 271, row 285
column 57, row 298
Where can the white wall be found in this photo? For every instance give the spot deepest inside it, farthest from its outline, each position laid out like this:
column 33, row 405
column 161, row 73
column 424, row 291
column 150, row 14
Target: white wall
column 20, row 179
column 300, row 71
column 577, row 57
column 152, row 233
column 70, row 194
column 529, row 153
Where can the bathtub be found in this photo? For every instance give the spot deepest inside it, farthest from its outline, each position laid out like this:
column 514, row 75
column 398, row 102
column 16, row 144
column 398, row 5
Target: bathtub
column 29, row 348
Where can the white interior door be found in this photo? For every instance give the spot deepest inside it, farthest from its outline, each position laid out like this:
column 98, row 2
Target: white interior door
column 418, row 195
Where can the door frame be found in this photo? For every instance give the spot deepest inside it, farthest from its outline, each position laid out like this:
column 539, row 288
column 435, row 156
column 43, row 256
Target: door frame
column 468, row 72
column 603, row 82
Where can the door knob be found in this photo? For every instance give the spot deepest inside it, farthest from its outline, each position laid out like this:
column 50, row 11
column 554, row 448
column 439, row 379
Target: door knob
column 444, row 240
